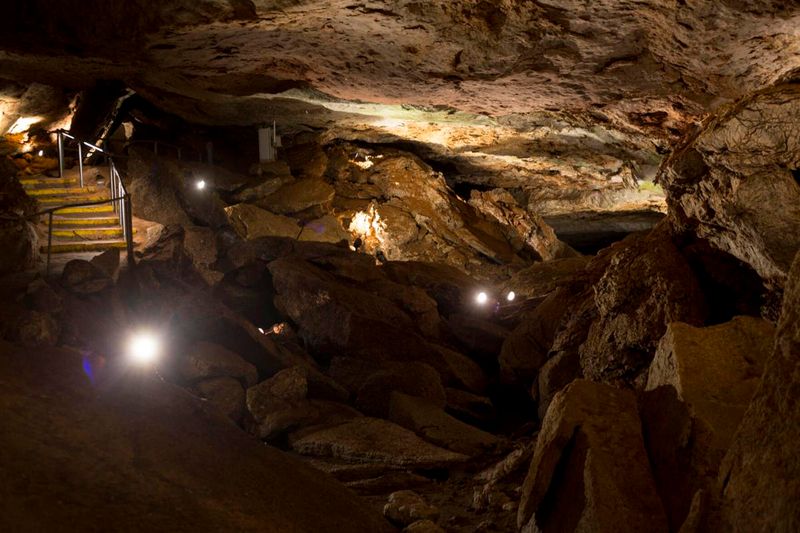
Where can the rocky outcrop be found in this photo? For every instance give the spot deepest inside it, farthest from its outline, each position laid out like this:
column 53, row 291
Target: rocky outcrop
column 759, row 475
column 251, row 222
column 589, row 465
column 733, row 182
column 699, row 385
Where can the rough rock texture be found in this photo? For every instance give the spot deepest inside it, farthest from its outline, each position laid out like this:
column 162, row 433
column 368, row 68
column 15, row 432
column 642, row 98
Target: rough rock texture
column 251, row 222
column 733, row 182
column 699, row 385
column 374, row 440
column 225, row 393
column 430, row 422
column 760, row 474
column 406, row 507
column 590, row 470
column 647, row 285
column 155, row 448
column 208, row 360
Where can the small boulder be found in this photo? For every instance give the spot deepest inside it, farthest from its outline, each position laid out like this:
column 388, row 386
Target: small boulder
column 208, row 360
column 418, row 379
column 34, row 328
column 108, row 263
column 224, row 392
column 251, row 222
column 406, row 507
column 83, row 277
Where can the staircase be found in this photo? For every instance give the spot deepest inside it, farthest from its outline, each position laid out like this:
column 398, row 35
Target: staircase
column 92, row 228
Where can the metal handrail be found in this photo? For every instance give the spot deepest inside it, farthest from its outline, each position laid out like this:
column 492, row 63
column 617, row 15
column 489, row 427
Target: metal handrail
column 120, row 197
column 178, row 149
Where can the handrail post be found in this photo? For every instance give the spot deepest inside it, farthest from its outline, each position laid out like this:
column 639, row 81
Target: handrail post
column 60, row 154
column 49, row 242
column 129, row 230
column 80, row 162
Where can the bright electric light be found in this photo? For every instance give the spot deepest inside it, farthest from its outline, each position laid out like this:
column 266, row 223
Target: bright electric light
column 41, row 153
column 482, row 298
column 143, row 348
column 201, row 184
column 510, row 296
column 261, row 330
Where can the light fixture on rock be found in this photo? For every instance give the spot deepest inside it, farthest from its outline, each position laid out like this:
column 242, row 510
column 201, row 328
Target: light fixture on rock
column 511, row 296
column 481, row 298
column 200, row 185
column 144, row 347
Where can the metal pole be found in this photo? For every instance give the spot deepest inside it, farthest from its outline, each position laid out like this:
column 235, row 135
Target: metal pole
column 60, row 155
column 49, row 241
column 129, row 231
column 80, row 163
column 155, row 147
column 179, row 153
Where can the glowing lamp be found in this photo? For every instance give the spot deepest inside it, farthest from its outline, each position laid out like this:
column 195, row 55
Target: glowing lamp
column 143, row 348
column 200, row 185
column 41, row 153
column 510, row 296
column 481, row 298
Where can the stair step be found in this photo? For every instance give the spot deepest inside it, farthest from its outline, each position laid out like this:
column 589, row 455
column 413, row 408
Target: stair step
column 60, row 191
column 33, row 182
column 59, row 221
column 112, row 232
column 63, row 247
column 67, row 200
column 102, row 208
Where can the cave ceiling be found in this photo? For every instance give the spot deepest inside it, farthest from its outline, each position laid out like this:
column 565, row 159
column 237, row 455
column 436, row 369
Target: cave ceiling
column 560, row 99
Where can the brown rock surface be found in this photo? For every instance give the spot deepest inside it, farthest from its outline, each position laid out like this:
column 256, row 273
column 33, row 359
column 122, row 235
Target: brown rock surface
column 732, row 183
column 251, row 222
column 208, row 360
column 374, row 440
column 590, row 470
column 760, row 474
column 155, row 448
column 430, row 422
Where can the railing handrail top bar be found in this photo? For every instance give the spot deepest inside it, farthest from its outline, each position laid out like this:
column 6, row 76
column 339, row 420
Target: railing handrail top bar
column 90, row 145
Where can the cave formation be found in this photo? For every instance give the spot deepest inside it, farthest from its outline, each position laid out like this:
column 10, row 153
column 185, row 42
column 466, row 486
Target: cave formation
column 390, row 265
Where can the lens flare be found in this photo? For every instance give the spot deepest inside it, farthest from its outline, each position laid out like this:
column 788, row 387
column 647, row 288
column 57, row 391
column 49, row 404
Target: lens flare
column 201, row 184
column 481, row 298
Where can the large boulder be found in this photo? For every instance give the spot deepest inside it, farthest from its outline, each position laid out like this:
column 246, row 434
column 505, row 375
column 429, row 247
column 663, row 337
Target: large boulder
column 251, row 222
column 151, row 446
column 733, row 184
column 760, row 474
column 590, row 471
column 303, row 195
column 335, row 317
column 208, row 360
column 647, row 285
column 699, row 385
column 430, row 422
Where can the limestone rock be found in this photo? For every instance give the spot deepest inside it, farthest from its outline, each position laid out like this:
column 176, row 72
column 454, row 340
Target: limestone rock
column 540, row 279
column 35, row 328
column 324, row 229
column 108, row 263
column 83, row 277
column 450, row 287
column 720, row 182
column 715, row 370
column 647, row 285
column 526, row 348
column 478, row 336
column 48, row 401
column 419, row 379
column 276, row 178
column 590, row 471
column 40, row 296
column 201, row 248
column 760, row 474
column 299, row 196
column 461, row 372
column 279, row 403
column 208, row 360
column 469, row 407
column 251, row 222
column 374, row 440
column 224, row 392
column 430, row 422
column 423, row 526
column 406, row 507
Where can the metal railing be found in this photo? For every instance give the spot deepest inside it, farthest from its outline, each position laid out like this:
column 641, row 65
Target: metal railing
column 120, row 197
column 178, row 150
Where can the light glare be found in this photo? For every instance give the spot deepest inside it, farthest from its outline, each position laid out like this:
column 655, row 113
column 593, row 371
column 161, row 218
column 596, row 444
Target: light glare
column 482, row 298
column 143, row 348
column 510, row 296
column 201, row 184
column 41, row 153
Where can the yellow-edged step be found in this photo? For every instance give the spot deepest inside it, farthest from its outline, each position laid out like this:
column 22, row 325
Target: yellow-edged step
column 82, row 246
column 33, row 182
column 84, row 221
column 93, row 233
column 62, row 191
column 102, row 208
